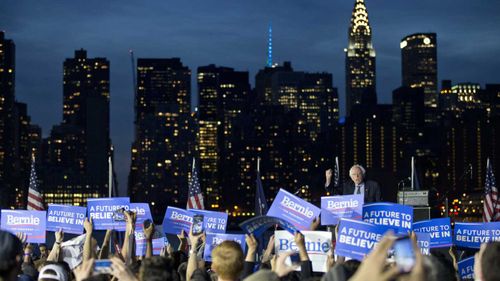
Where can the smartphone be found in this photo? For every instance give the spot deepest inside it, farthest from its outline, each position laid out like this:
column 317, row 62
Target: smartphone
column 102, row 266
column 403, row 253
column 197, row 224
column 147, row 223
column 118, row 215
column 295, row 258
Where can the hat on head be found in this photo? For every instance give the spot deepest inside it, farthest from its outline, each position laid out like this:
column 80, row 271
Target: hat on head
column 53, row 272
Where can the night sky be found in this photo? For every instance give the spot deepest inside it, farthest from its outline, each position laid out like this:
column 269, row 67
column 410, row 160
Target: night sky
column 310, row 34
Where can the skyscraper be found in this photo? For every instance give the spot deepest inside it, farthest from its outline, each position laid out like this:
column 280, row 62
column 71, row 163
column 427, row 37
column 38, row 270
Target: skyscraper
column 16, row 142
column 163, row 145
column 223, row 95
column 419, row 65
column 76, row 153
column 360, row 60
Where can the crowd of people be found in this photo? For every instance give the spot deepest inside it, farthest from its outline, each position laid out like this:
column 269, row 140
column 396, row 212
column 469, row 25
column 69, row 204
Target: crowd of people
column 229, row 262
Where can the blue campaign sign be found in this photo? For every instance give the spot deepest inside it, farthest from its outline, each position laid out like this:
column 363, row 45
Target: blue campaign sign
column 31, row 223
column 143, row 213
column 439, row 231
column 176, row 220
column 356, row 238
column 333, row 208
column 140, row 244
column 105, row 212
column 424, row 242
column 466, row 269
column 293, row 209
column 65, row 217
column 214, row 239
column 213, row 222
column 472, row 235
column 258, row 225
column 395, row 216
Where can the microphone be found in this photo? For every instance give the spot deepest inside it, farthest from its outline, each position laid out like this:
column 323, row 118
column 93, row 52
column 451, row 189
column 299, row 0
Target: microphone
column 306, row 187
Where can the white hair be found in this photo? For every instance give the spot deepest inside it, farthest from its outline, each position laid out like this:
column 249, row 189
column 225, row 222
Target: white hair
column 363, row 171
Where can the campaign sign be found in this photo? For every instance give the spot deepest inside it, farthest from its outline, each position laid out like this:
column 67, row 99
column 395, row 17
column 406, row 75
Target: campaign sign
column 140, row 244
column 213, row 222
column 293, row 209
column 472, row 235
column 214, row 239
column 356, row 238
column 317, row 244
column 258, row 225
column 438, row 229
column 424, row 242
column 143, row 213
column 105, row 212
column 65, row 217
column 31, row 223
column 333, row 208
column 395, row 216
column 466, row 268
column 176, row 220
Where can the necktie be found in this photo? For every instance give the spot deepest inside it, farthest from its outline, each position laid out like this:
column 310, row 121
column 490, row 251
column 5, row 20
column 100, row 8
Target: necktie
column 356, row 190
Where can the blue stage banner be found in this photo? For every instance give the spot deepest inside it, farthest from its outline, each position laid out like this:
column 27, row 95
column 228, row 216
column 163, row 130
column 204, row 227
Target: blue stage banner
column 65, row 217
column 213, row 222
column 472, row 235
column 293, row 209
column 466, row 269
column 397, row 217
column 424, row 242
column 258, row 225
column 176, row 220
column 333, row 208
column 438, row 229
column 105, row 212
column 143, row 213
column 140, row 244
column 214, row 239
column 356, row 238
column 31, row 223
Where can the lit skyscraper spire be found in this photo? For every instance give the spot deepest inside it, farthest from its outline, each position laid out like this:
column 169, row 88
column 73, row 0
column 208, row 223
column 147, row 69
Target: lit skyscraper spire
column 270, row 46
column 360, row 60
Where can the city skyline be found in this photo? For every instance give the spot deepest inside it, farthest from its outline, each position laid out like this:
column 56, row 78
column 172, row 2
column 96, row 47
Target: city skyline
column 34, row 52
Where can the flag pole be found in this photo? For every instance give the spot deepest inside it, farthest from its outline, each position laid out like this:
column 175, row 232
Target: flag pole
column 258, row 164
column 110, row 173
column 412, row 171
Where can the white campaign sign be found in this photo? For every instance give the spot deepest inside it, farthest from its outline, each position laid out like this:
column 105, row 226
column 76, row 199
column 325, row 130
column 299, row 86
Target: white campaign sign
column 317, row 245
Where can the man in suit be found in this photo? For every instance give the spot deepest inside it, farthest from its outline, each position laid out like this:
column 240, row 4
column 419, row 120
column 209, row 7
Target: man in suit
column 357, row 185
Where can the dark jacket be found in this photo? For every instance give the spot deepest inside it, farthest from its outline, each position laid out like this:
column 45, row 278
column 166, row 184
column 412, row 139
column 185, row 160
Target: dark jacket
column 372, row 191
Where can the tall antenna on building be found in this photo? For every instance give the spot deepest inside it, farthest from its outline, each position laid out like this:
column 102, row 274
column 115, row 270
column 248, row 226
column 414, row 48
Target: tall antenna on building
column 270, row 46
column 134, row 84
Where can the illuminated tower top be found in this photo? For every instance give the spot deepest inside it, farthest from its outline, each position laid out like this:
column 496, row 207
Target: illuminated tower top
column 270, row 47
column 360, row 60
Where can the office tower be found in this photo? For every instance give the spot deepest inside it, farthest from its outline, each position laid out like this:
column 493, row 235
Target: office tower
column 370, row 138
column 16, row 143
column 360, row 60
column 76, row 153
column 223, row 96
column 163, row 145
column 7, row 99
column 419, row 65
column 447, row 99
column 467, row 95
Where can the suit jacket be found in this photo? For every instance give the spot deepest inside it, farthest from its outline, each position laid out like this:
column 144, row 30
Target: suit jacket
column 372, row 191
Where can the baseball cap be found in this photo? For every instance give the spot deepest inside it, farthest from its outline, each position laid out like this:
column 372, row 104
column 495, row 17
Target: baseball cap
column 53, row 272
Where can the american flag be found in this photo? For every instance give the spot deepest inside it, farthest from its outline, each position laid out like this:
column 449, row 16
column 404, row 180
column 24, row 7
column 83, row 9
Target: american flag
column 491, row 201
column 195, row 197
column 35, row 200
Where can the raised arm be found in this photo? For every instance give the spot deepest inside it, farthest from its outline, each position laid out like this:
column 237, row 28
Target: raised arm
column 56, row 249
column 88, row 252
